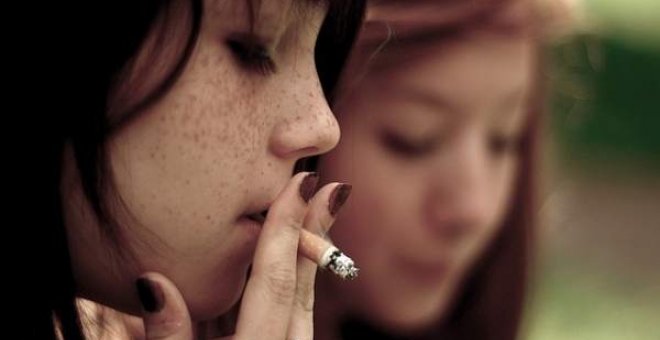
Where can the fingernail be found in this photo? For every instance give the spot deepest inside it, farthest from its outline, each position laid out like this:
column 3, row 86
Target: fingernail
column 338, row 197
column 308, row 186
column 151, row 295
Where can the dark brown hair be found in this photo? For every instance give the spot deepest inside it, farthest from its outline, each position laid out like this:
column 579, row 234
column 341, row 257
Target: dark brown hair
column 83, row 52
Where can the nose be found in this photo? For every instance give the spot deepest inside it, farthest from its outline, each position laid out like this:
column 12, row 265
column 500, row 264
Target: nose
column 307, row 127
column 461, row 195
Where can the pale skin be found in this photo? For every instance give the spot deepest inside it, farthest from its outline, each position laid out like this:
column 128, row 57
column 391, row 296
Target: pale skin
column 430, row 133
column 278, row 299
column 220, row 145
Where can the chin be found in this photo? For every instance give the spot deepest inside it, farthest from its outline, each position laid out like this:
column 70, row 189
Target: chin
column 214, row 300
column 411, row 324
column 407, row 318
column 209, row 309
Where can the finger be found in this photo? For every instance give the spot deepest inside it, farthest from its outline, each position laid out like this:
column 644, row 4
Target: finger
column 320, row 217
column 165, row 313
column 269, row 293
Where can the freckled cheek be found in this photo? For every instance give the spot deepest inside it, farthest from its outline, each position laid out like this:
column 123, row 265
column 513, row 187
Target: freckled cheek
column 218, row 126
column 221, row 105
column 199, row 162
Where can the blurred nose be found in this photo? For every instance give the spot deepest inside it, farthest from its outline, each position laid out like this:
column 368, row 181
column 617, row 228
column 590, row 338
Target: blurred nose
column 307, row 127
column 460, row 197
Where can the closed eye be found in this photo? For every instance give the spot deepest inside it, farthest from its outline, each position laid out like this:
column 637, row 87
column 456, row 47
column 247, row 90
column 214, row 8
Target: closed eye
column 408, row 148
column 500, row 145
column 252, row 55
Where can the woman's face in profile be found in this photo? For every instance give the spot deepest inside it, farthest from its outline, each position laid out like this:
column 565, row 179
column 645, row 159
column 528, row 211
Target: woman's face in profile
column 429, row 137
column 218, row 146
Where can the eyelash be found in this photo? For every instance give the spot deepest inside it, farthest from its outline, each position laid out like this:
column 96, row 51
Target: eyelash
column 253, row 56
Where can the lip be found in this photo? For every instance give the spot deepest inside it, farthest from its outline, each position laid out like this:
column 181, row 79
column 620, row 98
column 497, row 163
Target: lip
column 257, row 215
column 260, row 203
column 253, row 227
column 253, row 217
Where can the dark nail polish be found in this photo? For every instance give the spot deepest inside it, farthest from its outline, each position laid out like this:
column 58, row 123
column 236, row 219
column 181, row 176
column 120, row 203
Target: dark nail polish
column 338, row 197
column 308, row 186
column 151, row 295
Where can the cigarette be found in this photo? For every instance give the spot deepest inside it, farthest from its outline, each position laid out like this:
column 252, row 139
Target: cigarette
column 321, row 251
column 326, row 255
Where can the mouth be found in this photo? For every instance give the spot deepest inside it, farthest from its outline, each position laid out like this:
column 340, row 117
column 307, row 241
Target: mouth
column 424, row 271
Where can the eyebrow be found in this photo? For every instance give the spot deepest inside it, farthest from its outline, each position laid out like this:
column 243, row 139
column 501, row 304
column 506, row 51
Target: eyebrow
column 416, row 94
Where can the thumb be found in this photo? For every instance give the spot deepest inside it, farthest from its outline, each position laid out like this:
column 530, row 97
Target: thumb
column 164, row 311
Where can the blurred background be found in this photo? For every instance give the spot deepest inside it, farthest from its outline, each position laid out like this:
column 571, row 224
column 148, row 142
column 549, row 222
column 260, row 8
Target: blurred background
column 598, row 273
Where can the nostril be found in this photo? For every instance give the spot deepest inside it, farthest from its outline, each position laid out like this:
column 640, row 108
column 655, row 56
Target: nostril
column 310, row 151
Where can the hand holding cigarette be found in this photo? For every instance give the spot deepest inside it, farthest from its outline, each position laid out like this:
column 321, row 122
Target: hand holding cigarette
column 279, row 294
column 316, row 248
column 323, row 209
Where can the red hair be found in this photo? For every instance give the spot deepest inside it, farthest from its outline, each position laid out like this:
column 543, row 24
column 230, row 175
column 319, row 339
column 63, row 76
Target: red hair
column 490, row 305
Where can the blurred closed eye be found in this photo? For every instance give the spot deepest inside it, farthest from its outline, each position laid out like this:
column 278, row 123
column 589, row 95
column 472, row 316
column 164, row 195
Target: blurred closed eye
column 406, row 147
column 500, row 145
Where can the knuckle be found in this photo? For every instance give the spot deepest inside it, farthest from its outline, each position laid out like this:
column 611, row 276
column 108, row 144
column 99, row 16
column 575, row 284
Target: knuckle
column 305, row 299
column 281, row 284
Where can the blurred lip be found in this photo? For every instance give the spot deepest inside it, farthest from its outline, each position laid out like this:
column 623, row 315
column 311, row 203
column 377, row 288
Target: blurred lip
column 430, row 271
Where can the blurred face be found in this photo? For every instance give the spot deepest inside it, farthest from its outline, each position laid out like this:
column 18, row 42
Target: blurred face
column 430, row 136
column 218, row 146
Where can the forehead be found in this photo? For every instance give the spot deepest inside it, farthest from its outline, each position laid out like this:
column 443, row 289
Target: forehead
column 406, row 22
column 481, row 69
column 409, row 17
column 445, row 36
